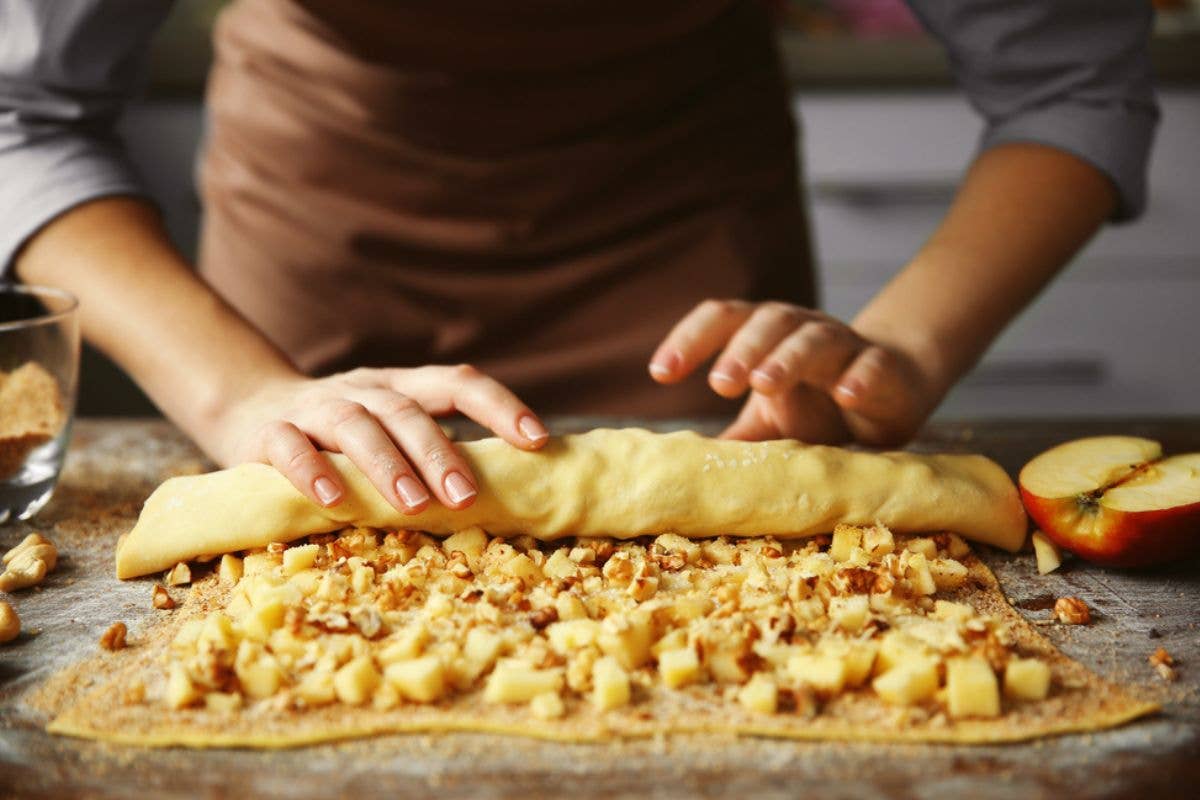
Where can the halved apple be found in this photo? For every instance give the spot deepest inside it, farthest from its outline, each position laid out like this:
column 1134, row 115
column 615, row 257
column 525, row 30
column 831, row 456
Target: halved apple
column 1115, row 500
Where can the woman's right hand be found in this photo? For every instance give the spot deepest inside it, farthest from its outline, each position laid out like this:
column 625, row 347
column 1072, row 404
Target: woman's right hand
column 383, row 420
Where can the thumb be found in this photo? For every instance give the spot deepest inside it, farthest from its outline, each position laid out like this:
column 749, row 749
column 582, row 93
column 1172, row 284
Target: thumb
column 750, row 425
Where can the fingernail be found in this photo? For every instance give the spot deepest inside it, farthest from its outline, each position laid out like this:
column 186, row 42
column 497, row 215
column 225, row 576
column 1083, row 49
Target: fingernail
column 533, row 430
column 663, row 366
column 326, row 490
column 768, row 374
column 850, row 389
column 724, row 377
column 458, row 487
column 411, row 492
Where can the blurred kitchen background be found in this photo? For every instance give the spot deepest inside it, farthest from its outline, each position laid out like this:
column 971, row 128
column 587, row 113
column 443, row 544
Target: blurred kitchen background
column 885, row 135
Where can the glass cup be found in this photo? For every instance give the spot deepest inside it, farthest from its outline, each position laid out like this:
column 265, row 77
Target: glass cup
column 39, row 365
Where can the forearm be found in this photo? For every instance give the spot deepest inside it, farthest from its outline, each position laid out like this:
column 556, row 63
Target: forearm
column 1020, row 215
column 142, row 306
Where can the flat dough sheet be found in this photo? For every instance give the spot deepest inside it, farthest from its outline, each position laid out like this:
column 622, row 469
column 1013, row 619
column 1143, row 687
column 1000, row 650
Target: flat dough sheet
column 87, row 701
column 619, row 483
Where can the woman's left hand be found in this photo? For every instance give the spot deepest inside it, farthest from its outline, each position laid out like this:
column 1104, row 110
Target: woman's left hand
column 810, row 376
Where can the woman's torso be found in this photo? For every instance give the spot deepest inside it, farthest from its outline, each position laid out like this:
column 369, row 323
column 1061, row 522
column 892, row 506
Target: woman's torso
column 539, row 188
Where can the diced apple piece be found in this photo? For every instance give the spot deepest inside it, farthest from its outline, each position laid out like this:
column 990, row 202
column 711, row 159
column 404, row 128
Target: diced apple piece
column 439, row 606
column 187, row 635
column 181, row 692
column 627, row 638
column 316, row 688
column 845, row 539
column 971, row 688
column 519, row 682
column 951, row 611
column 823, row 673
column 522, row 566
column 362, row 577
column 569, row 607
column 230, row 569
column 678, row 668
column 857, row 657
column 850, row 613
column 896, row 647
column 674, row 543
column 718, row 551
column 483, row 646
column 957, row 546
column 261, row 620
column 222, row 702
column 300, row 557
column 407, row 644
column 420, row 679
column 776, row 655
column 1027, row 679
column 284, row 642
column 471, row 542
column 218, row 632
column 559, row 565
column 947, row 573
column 547, row 705
column 919, row 576
column 760, row 695
column 908, row 683
column 356, row 681
column 258, row 563
column 1049, row 557
column 878, row 541
column 725, row 662
column 673, row 640
column 306, row 581
column 691, row 606
column 568, row 636
column 259, row 678
column 610, row 684
column 923, row 545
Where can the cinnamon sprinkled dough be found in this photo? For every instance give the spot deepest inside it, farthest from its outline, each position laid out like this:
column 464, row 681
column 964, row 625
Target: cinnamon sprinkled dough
column 863, row 635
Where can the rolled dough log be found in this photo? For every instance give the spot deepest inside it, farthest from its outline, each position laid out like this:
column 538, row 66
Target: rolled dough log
column 620, row 483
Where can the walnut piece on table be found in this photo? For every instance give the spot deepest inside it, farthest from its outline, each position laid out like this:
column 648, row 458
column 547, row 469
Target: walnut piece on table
column 162, row 599
column 1072, row 611
column 114, row 637
column 10, row 623
column 1163, row 664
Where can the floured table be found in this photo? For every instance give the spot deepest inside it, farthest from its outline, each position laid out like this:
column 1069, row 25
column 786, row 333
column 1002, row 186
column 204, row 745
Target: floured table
column 114, row 465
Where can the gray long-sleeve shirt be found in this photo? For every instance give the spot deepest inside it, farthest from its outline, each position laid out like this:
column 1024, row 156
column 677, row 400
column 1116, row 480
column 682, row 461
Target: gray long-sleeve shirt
column 1072, row 74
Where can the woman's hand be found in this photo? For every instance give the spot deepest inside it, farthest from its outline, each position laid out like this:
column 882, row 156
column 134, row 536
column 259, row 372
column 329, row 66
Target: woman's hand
column 811, row 377
column 383, row 420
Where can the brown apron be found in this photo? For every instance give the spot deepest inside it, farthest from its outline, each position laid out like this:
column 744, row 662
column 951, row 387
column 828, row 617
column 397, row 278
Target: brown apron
column 540, row 188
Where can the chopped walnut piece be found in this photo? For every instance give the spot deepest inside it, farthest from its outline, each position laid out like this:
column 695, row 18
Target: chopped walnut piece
column 10, row 623
column 1163, row 664
column 114, row 637
column 543, row 616
column 1072, row 611
column 162, row 600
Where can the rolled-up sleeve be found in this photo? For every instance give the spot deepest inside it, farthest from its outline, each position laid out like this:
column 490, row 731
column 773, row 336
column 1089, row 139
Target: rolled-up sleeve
column 67, row 68
column 1071, row 74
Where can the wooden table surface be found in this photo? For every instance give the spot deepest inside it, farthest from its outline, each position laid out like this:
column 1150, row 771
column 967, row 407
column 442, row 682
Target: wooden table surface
column 114, row 464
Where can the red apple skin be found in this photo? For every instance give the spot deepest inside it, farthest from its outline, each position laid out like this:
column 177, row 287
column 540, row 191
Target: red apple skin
column 1118, row 538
